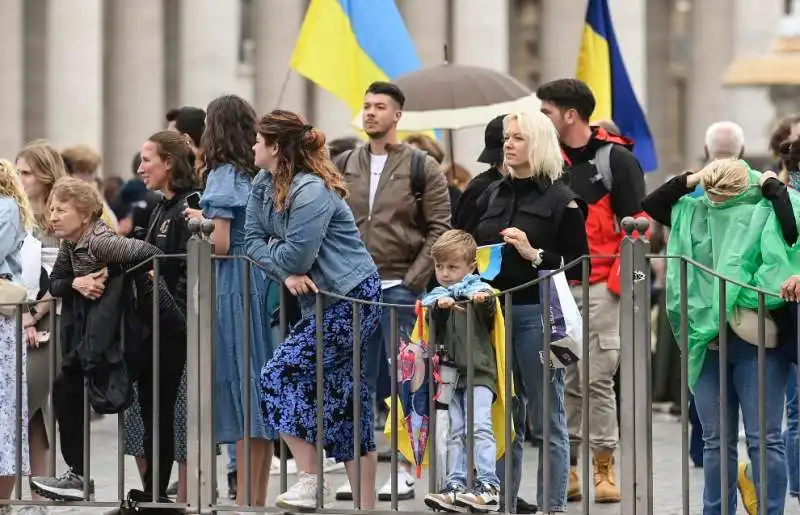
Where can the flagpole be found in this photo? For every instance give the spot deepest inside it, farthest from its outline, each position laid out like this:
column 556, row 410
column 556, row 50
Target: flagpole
column 284, row 84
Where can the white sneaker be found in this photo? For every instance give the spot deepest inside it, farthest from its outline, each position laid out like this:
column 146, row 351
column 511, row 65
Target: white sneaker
column 303, row 494
column 331, row 465
column 275, row 467
column 405, row 487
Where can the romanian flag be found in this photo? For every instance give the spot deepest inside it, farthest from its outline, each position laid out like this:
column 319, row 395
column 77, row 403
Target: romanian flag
column 345, row 45
column 600, row 66
column 488, row 259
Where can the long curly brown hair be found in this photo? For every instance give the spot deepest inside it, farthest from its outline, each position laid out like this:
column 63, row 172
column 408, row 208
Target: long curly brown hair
column 230, row 134
column 301, row 148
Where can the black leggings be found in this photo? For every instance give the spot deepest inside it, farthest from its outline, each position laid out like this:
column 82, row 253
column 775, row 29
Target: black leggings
column 68, row 404
column 172, row 360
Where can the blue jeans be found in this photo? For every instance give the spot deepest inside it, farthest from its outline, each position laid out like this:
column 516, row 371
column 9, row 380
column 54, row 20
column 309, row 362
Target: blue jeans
column 790, row 435
column 527, row 342
column 742, row 371
column 485, row 445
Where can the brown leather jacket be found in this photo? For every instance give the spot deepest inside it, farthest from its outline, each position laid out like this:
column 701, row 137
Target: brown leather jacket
column 400, row 248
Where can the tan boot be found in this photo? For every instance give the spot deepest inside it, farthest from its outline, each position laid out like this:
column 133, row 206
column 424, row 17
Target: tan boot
column 574, row 486
column 605, row 485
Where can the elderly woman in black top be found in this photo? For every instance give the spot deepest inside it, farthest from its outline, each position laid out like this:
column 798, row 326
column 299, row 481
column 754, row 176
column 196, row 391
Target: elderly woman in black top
column 90, row 254
column 542, row 223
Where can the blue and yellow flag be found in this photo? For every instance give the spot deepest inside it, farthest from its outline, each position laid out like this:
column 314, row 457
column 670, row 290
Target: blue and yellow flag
column 489, row 259
column 600, row 66
column 345, row 45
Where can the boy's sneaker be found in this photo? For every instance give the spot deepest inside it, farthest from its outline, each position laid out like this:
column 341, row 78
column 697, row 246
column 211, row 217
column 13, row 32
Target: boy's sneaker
column 482, row 499
column 66, row 487
column 302, row 496
column 445, row 500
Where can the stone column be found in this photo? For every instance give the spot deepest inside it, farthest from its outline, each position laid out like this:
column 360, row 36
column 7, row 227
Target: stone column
column 134, row 80
column 427, row 24
column 713, row 33
column 75, row 72
column 753, row 108
column 474, row 26
column 274, row 48
column 562, row 28
column 11, row 86
column 209, row 49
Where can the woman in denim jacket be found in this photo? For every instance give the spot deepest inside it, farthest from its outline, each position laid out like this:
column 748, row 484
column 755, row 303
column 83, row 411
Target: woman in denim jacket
column 16, row 220
column 301, row 231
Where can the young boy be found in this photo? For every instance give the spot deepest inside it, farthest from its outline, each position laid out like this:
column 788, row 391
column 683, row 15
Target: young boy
column 454, row 259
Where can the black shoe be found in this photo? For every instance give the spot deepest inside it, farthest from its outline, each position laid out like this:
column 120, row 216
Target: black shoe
column 232, row 485
column 385, row 456
column 524, row 506
column 130, row 505
column 172, row 491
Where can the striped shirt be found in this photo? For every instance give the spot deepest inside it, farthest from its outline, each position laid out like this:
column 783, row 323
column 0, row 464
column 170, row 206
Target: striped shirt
column 98, row 248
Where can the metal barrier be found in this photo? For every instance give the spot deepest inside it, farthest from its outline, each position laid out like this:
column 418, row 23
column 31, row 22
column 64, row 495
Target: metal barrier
column 635, row 449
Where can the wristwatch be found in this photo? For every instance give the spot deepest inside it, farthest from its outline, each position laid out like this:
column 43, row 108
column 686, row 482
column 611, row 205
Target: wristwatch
column 538, row 259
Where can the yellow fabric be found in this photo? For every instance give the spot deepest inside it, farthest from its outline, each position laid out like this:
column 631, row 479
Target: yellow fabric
column 498, row 408
column 109, row 218
column 594, row 68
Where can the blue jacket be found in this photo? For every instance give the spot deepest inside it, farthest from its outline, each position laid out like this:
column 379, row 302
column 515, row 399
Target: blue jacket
column 315, row 235
column 12, row 234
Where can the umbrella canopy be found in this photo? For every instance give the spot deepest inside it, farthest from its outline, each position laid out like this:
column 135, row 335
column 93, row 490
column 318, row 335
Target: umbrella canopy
column 452, row 96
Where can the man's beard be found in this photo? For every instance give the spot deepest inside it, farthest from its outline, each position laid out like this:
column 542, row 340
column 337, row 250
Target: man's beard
column 376, row 134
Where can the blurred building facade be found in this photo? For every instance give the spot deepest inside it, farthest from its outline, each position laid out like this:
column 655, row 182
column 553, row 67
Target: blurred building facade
column 104, row 72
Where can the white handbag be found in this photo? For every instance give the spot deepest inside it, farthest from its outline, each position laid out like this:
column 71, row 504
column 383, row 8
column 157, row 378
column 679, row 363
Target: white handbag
column 11, row 293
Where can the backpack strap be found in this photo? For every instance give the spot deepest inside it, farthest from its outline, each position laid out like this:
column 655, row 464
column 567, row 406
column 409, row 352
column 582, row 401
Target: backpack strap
column 602, row 162
column 418, row 180
column 341, row 160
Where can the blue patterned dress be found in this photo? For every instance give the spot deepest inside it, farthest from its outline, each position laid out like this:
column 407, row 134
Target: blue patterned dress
column 225, row 197
column 288, row 380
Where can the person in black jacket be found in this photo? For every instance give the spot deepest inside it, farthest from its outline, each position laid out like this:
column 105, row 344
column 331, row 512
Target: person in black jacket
column 467, row 213
column 167, row 167
column 542, row 223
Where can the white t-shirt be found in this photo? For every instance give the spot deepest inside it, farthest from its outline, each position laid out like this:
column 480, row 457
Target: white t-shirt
column 376, row 164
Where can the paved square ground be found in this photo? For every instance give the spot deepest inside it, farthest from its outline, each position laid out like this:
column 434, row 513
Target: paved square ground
column 666, row 471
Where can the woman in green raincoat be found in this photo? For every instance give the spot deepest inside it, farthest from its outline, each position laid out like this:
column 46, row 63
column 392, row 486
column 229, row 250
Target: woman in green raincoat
column 739, row 228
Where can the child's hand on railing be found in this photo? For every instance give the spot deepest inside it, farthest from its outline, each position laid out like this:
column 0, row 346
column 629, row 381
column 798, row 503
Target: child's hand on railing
column 480, row 297
column 446, row 302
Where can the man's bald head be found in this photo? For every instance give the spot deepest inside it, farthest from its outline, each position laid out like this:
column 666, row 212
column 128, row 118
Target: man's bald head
column 724, row 140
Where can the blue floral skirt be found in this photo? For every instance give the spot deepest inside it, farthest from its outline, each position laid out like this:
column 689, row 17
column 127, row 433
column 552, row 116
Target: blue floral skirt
column 288, row 380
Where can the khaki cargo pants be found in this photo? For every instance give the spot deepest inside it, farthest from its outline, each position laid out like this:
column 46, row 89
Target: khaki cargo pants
column 603, row 362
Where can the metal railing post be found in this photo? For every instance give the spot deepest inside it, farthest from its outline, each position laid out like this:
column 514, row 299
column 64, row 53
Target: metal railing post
column 635, row 371
column 643, row 414
column 626, row 375
column 199, row 338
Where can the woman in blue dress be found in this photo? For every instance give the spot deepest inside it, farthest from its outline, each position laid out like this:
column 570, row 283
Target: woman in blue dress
column 227, row 145
column 300, row 229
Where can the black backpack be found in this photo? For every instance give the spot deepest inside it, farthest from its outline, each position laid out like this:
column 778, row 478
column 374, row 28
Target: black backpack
column 417, row 177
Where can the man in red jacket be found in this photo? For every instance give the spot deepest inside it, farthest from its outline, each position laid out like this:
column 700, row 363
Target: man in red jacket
column 604, row 172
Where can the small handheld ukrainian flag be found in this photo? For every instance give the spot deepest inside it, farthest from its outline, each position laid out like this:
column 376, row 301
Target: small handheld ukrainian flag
column 601, row 67
column 489, row 259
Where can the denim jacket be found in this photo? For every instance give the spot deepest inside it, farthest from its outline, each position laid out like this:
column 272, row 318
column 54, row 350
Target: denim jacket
column 315, row 235
column 12, row 234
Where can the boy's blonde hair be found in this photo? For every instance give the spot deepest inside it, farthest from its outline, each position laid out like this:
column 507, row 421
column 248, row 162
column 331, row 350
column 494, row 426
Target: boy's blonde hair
column 454, row 244
column 726, row 177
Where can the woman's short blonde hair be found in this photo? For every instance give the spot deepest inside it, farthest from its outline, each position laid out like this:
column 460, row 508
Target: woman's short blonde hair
column 544, row 150
column 726, row 177
column 81, row 194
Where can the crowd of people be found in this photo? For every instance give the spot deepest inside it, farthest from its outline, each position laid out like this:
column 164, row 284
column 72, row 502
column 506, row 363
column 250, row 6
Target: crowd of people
column 389, row 221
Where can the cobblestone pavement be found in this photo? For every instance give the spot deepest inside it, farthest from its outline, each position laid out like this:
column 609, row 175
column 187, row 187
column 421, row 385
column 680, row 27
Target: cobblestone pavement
column 666, row 472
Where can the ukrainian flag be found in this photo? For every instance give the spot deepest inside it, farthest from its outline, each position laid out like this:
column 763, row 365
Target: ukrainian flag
column 600, row 66
column 345, row 45
column 488, row 260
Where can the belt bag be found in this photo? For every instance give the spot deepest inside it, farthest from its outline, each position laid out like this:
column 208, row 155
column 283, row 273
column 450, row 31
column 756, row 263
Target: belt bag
column 10, row 294
column 744, row 323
